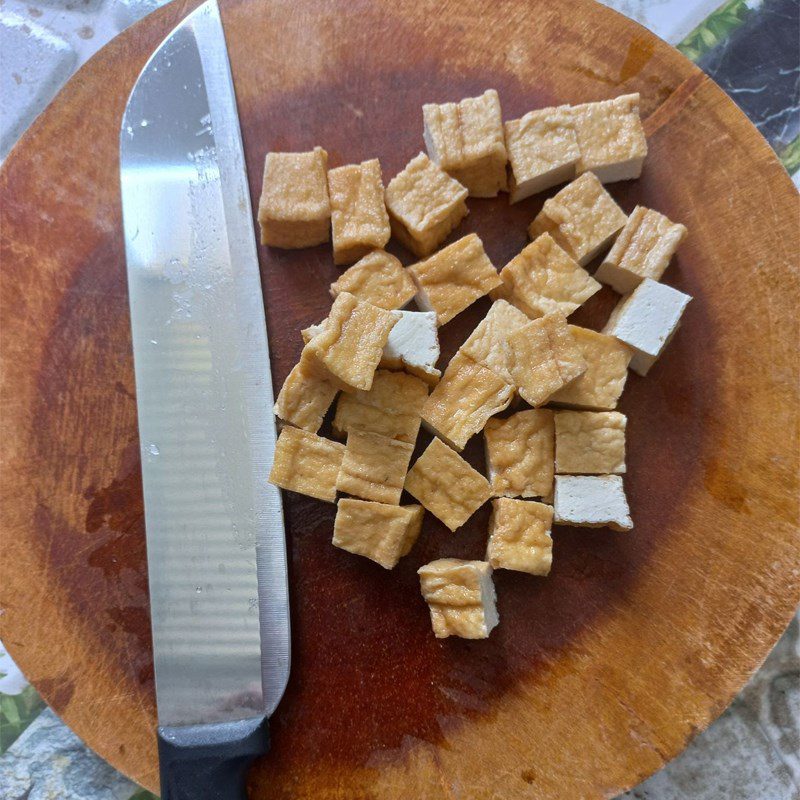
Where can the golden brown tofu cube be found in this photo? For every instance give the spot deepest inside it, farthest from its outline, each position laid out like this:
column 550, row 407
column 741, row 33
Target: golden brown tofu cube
column 611, row 138
column 424, row 205
column 392, row 407
column 520, row 454
column 454, row 278
column 544, row 358
column 307, row 464
column 466, row 139
column 464, row 399
column 590, row 442
column 582, row 218
column 642, row 250
column 544, row 279
column 519, row 536
column 359, row 220
column 460, row 597
column 542, row 150
column 447, row 485
column 305, row 397
column 380, row 532
column 294, row 210
column 488, row 343
column 374, row 467
column 378, row 278
column 600, row 387
column 350, row 344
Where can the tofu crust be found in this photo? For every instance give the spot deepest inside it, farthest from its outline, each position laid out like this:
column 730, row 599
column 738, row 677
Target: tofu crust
column 600, row 387
column 642, row 250
column 464, row 399
column 467, row 140
column 307, row 464
column 378, row 278
column 544, row 358
column 305, row 396
column 582, row 218
column 392, row 407
column 447, row 485
column 294, row 210
column 611, row 138
column 374, row 467
column 544, row 279
column 351, row 341
column 488, row 343
column 382, row 533
column 590, row 442
column 460, row 597
column 425, row 204
column 542, row 151
column 454, row 278
column 519, row 536
column 359, row 220
column 520, row 454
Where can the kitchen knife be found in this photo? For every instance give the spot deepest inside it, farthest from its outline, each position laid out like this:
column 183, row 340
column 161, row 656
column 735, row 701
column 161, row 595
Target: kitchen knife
column 215, row 535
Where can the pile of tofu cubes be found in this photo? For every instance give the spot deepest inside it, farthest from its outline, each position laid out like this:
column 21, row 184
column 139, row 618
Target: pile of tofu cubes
column 560, row 455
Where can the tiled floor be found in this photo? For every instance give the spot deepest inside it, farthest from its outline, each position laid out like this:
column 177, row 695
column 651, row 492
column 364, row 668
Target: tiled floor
column 751, row 48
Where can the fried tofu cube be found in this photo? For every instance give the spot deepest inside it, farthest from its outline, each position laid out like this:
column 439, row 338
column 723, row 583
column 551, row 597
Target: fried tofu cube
column 544, row 358
column 590, row 442
column 305, row 396
column 359, row 221
column 600, row 387
column 460, row 597
column 544, row 279
column 454, row 278
column 488, row 343
column 642, row 250
column 542, row 150
column 378, row 278
column 392, row 407
column 307, row 464
column 611, row 138
column 447, row 485
column 520, row 452
column 413, row 345
column 464, row 399
column 646, row 320
column 374, row 467
column 351, row 341
column 466, row 139
column 380, row 532
column 592, row 501
column 294, row 210
column 424, row 205
column 519, row 536
column 582, row 218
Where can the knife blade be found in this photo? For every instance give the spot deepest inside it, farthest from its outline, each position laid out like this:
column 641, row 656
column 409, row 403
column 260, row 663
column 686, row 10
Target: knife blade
column 214, row 527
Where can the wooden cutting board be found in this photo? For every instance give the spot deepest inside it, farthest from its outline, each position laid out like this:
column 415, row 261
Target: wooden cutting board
column 598, row 674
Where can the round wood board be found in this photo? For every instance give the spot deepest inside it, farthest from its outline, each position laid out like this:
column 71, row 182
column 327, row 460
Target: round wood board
column 597, row 675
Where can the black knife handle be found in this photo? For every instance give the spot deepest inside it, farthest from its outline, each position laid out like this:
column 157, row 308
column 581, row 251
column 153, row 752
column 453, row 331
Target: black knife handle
column 209, row 762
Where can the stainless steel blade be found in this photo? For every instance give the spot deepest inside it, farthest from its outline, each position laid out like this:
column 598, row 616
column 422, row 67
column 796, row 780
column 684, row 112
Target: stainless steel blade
column 215, row 535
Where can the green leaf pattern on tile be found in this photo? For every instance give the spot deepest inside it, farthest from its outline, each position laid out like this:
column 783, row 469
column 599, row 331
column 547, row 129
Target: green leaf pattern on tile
column 716, row 28
column 16, row 713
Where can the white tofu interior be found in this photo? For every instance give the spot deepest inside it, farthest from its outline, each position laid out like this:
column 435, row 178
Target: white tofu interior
column 414, row 343
column 646, row 320
column 591, row 501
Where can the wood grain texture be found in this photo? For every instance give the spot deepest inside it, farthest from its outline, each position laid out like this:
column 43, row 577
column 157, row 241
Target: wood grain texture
column 596, row 675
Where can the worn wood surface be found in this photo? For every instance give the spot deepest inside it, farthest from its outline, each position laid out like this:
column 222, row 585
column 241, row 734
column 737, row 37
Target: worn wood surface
column 596, row 675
